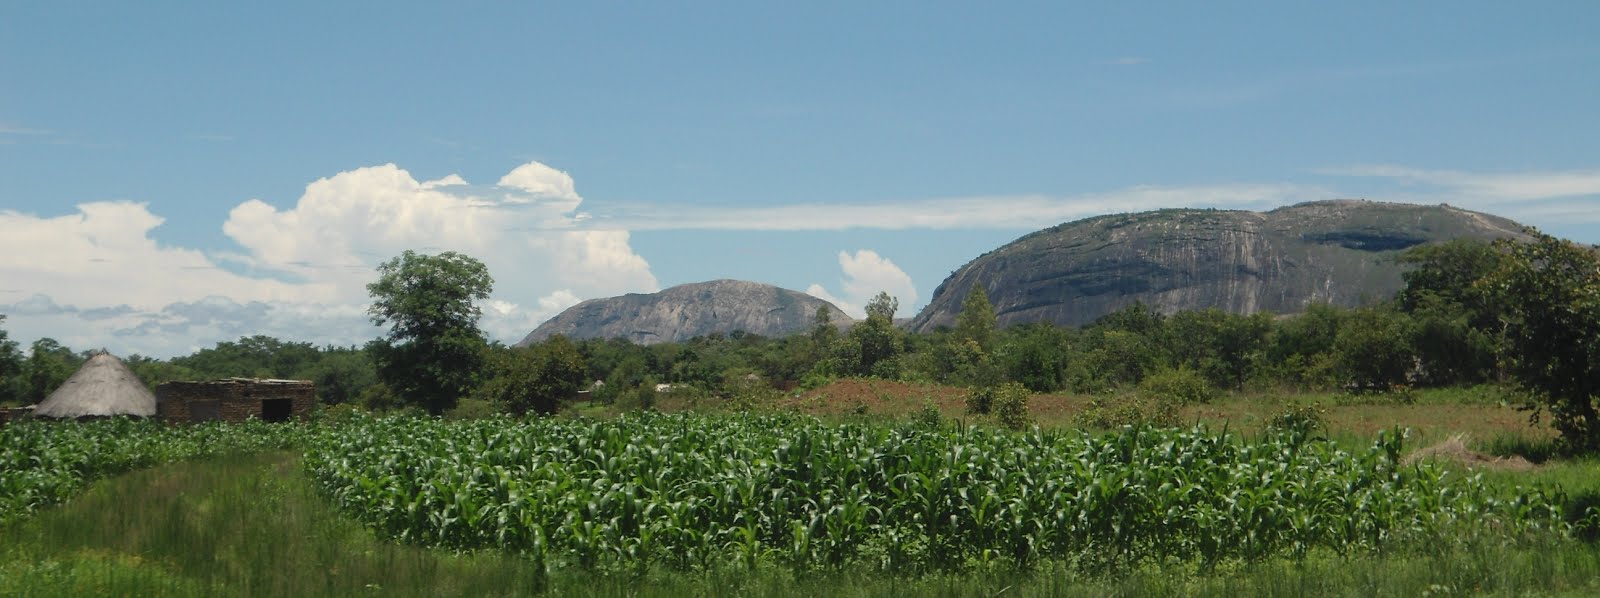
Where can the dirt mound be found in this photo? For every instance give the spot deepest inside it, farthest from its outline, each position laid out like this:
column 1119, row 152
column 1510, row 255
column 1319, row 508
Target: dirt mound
column 1454, row 450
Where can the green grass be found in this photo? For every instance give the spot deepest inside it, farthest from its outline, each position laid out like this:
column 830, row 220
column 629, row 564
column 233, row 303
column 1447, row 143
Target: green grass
column 247, row 525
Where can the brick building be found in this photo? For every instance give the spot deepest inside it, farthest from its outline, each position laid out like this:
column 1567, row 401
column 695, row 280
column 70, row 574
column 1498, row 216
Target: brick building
column 236, row 400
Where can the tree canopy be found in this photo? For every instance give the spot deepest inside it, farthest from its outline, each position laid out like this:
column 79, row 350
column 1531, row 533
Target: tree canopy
column 1551, row 292
column 434, row 348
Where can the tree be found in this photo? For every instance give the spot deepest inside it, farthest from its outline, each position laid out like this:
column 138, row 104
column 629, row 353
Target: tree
column 976, row 322
column 1301, row 347
column 1551, row 292
column 10, row 365
column 877, row 338
column 49, row 364
column 258, row 356
column 1458, row 332
column 1374, row 348
column 535, row 379
column 434, row 349
column 823, row 333
column 155, row 372
column 341, row 375
column 1225, row 348
column 1036, row 355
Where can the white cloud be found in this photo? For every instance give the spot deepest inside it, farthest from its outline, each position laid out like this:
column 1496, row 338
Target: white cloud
column 301, row 271
column 1541, row 198
column 539, row 179
column 104, row 255
column 1513, row 186
column 865, row 275
column 510, row 322
column 1022, row 212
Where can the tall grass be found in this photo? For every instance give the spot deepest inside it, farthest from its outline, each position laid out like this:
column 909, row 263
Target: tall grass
column 241, row 525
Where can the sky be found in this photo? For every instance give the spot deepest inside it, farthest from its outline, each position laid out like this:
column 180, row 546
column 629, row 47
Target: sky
column 173, row 175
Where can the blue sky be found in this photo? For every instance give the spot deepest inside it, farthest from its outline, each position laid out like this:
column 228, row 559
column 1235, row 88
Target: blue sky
column 172, row 176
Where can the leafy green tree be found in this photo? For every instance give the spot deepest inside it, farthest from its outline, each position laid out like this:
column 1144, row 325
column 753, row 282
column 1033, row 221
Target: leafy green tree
column 155, row 372
column 966, row 355
column 1225, row 348
column 976, row 322
column 1136, row 318
column 876, row 339
column 341, row 375
column 434, row 349
column 1301, row 348
column 1374, row 349
column 10, row 366
column 823, row 332
column 48, row 365
column 1448, row 272
column 258, row 356
column 1119, row 357
column 536, row 378
column 1458, row 334
column 1036, row 355
column 1551, row 290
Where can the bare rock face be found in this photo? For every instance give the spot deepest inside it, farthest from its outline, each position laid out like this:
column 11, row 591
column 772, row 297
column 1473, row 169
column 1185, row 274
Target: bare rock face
column 687, row 311
column 1341, row 252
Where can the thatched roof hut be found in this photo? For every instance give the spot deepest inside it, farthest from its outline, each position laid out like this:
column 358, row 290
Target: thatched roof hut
column 103, row 387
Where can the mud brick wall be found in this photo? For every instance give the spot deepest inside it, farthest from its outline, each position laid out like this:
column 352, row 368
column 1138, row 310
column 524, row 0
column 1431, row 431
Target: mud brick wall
column 231, row 400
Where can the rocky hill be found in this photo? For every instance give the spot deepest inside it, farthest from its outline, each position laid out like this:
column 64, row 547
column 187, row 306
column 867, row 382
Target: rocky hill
column 1342, row 252
column 686, row 311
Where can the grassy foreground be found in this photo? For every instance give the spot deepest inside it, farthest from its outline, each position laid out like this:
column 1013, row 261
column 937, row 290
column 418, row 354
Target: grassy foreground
column 253, row 525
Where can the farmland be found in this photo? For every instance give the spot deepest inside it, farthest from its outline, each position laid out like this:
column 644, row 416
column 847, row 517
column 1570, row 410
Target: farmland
column 764, row 504
column 688, row 492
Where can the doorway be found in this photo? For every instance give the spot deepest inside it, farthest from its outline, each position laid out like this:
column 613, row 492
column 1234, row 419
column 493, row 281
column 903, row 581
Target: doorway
column 276, row 410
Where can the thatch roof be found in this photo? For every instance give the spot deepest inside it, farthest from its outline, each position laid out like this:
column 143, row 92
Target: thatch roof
column 102, row 387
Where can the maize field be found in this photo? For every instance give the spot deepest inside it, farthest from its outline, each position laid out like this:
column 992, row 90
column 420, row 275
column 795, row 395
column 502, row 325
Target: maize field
column 693, row 492
column 44, row 463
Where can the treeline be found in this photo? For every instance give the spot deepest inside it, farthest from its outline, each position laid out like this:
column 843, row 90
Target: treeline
column 341, row 373
column 1526, row 312
column 1449, row 326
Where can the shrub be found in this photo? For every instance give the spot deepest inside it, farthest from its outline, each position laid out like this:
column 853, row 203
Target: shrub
column 1302, row 420
column 1182, row 385
column 1115, row 411
column 928, row 417
column 641, row 397
column 980, row 400
column 1011, row 405
column 471, row 409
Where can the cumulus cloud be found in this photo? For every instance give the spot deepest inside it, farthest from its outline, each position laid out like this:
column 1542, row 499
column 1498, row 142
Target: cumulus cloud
column 301, row 271
column 104, row 255
column 865, row 274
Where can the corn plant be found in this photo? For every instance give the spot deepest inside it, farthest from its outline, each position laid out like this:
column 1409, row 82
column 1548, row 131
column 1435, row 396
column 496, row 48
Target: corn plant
column 43, row 463
column 690, row 492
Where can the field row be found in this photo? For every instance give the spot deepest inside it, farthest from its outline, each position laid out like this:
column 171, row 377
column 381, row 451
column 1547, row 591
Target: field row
column 691, row 492
column 43, row 463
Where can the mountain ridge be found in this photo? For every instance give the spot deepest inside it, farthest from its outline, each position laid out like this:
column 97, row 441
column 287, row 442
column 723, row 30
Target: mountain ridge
column 1280, row 260
column 688, row 310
